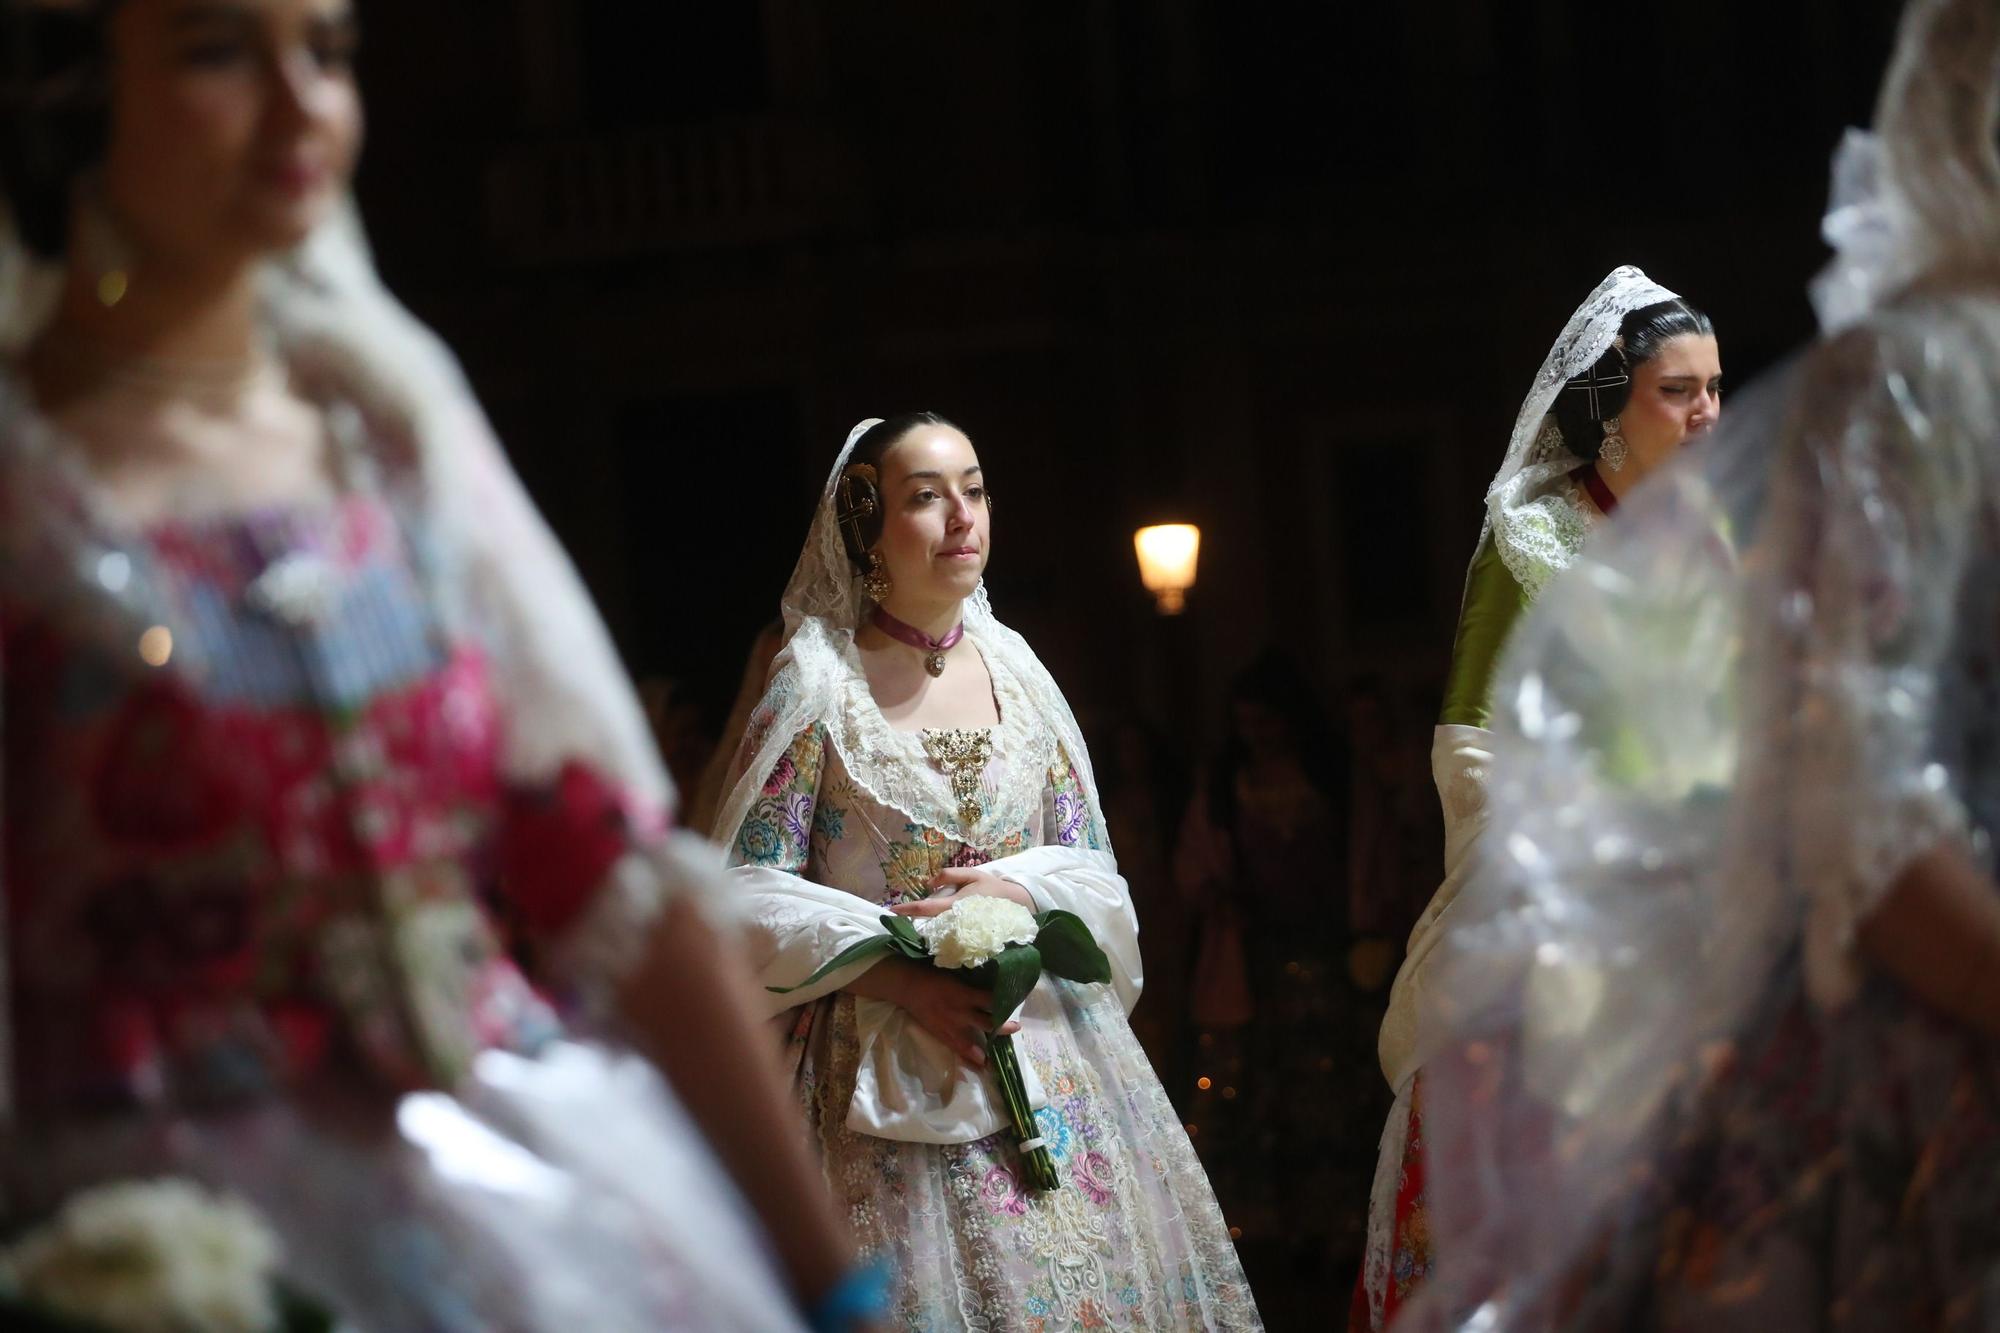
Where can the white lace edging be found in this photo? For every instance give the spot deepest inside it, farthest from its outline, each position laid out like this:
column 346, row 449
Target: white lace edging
column 1546, row 518
column 893, row 769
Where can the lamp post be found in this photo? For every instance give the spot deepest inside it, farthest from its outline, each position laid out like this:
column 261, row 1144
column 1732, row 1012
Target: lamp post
column 1168, row 554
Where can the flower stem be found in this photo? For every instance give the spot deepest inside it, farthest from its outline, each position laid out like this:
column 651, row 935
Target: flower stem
column 1037, row 1165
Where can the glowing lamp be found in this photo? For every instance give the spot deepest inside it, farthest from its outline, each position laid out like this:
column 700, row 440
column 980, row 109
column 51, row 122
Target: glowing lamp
column 1168, row 553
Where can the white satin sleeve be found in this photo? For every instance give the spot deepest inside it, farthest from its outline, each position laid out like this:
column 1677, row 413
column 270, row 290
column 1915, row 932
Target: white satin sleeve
column 1461, row 758
column 1086, row 882
column 791, row 927
column 908, row 1085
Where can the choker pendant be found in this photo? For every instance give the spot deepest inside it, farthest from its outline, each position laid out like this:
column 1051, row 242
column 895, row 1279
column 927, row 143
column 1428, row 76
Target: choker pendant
column 933, row 649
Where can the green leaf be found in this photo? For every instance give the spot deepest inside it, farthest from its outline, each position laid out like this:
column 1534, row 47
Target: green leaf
column 906, row 940
column 1015, row 973
column 853, row 953
column 1069, row 950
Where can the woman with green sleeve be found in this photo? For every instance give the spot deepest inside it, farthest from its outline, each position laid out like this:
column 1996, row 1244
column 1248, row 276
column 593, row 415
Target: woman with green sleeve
column 1634, row 376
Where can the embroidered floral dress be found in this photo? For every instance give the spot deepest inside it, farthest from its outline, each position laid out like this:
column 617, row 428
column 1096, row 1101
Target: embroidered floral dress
column 263, row 877
column 855, row 817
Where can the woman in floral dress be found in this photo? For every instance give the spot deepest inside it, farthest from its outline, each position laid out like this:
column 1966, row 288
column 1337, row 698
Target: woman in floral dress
column 910, row 751
column 323, row 786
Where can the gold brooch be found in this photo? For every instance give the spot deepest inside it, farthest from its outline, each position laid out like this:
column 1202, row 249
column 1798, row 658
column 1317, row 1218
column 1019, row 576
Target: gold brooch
column 962, row 756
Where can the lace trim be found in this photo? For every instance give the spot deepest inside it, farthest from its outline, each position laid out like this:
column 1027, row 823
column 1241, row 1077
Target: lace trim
column 1134, row 1240
column 1547, row 516
column 897, row 769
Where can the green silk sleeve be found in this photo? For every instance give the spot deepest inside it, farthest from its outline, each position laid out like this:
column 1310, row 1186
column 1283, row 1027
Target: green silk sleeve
column 1493, row 602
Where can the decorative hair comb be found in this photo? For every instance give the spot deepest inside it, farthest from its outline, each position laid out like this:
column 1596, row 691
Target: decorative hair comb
column 1593, row 382
column 856, row 499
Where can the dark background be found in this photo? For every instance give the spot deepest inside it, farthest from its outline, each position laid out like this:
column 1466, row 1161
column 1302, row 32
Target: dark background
column 1283, row 270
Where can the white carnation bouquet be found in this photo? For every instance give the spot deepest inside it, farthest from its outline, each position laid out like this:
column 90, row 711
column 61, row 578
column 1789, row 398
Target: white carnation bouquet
column 998, row 945
column 152, row 1256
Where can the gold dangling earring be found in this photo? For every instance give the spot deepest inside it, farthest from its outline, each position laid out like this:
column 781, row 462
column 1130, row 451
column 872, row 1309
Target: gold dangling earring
column 101, row 247
column 876, row 581
column 1613, row 451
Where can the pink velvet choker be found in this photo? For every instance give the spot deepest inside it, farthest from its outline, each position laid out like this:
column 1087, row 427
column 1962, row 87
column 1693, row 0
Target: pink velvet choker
column 934, row 649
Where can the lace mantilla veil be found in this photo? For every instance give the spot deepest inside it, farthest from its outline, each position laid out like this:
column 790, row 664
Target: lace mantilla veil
column 815, row 679
column 1535, row 527
column 503, row 577
column 1717, row 739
